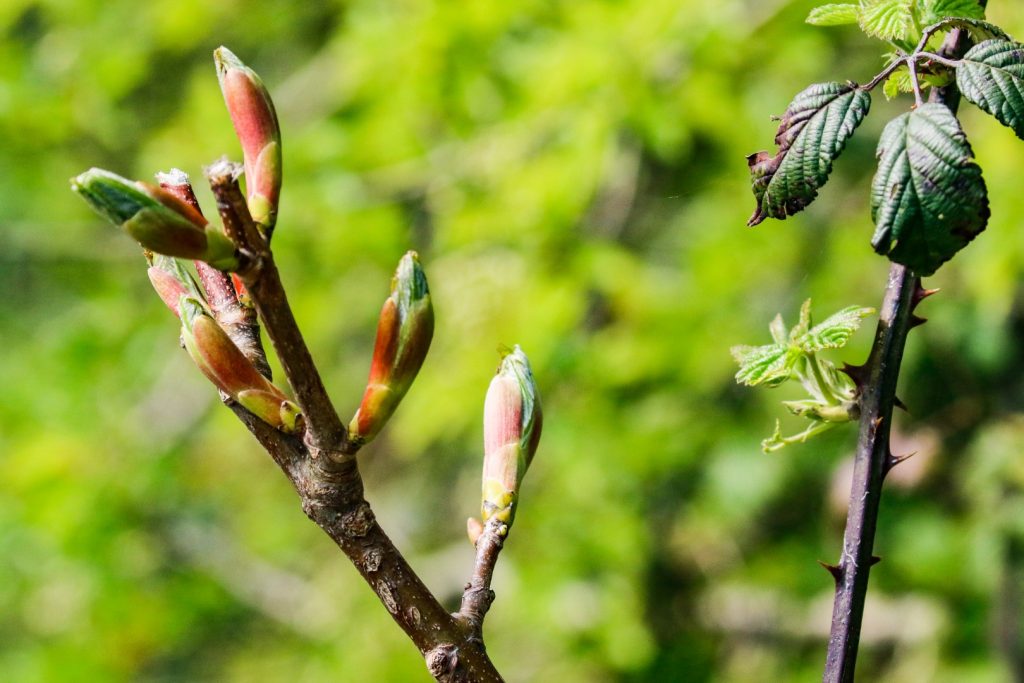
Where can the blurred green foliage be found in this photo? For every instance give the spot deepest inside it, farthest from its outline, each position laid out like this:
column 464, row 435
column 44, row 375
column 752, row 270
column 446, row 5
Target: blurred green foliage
column 572, row 174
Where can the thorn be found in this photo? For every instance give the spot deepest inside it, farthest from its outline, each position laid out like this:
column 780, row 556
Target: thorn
column 920, row 294
column 875, row 559
column 915, row 321
column 835, row 570
column 877, row 422
column 900, row 404
column 858, row 373
column 892, row 460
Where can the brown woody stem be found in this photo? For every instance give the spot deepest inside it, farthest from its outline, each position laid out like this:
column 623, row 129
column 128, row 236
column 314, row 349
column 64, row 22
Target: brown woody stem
column 330, row 487
column 478, row 596
column 873, row 458
column 325, row 433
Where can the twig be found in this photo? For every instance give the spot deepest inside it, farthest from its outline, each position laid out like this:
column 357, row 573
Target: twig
column 331, row 488
column 478, row 596
column 238, row 321
column 325, row 433
column 873, row 457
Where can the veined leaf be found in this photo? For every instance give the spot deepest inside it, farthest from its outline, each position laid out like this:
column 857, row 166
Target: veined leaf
column 834, row 15
column 978, row 29
column 928, row 199
column 932, row 11
column 835, row 331
column 812, row 133
column 992, row 77
column 770, row 365
column 887, row 19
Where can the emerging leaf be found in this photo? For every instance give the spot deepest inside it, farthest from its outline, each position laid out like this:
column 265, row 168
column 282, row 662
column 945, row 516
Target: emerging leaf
column 928, row 199
column 834, row 15
column 992, row 77
column 932, row 11
column 835, row 331
column 812, row 133
column 887, row 19
column 770, row 365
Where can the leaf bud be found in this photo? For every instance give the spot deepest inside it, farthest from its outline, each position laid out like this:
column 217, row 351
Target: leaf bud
column 404, row 331
column 230, row 371
column 512, row 426
column 252, row 113
column 155, row 218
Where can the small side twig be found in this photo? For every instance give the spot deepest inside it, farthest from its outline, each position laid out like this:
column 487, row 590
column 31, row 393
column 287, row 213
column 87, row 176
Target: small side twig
column 325, row 432
column 478, row 596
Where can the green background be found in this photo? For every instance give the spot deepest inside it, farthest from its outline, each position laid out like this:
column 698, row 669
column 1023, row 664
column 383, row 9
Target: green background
column 572, row 174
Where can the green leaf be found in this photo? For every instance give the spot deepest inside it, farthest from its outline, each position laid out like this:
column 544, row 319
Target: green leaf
column 935, row 10
column 835, row 331
column 928, row 199
column 887, row 19
column 770, row 365
column 778, row 329
column 977, row 28
column 992, row 77
column 812, row 133
column 833, row 15
column 803, row 324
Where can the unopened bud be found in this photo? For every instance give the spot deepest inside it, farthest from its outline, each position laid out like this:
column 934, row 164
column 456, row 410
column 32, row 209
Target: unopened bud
column 252, row 113
column 404, row 331
column 512, row 426
column 230, row 371
column 155, row 218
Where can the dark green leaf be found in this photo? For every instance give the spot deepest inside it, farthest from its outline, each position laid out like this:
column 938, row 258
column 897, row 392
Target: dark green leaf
column 812, row 133
column 978, row 29
column 992, row 77
column 928, row 199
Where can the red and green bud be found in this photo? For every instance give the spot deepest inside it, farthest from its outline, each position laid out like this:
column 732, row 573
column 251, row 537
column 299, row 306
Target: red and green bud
column 172, row 281
column 404, row 331
column 252, row 113
column 155, row 218
column 230, row 371
column 512, row 426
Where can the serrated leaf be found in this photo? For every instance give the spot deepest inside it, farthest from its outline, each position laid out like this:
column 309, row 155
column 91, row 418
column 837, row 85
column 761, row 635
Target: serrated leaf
column 770, row 365
column 834, row 331
column 978, row 29
column 992, row 77
column 803, row 323
column 834, row 15
column 887, row 19
column 928, row 199
column 812, row 133
column 932, row 11
column 778, row 329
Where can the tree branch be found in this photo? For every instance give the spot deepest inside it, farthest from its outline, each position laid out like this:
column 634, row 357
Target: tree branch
column 876, row 382
column 331, row 488
column 324, row 432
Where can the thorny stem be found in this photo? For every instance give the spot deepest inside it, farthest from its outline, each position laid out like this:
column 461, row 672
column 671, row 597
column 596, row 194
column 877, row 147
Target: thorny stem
column 873, row 458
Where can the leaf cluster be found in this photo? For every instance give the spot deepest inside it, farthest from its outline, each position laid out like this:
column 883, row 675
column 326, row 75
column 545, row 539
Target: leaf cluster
column 928, row 197
column 793, row 354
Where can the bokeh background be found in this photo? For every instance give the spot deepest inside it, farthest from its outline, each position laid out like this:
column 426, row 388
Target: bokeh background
column 572, row 173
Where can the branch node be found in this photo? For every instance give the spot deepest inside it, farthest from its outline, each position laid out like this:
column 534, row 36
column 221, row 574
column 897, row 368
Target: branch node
column 858, row 373
column 442, row 660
